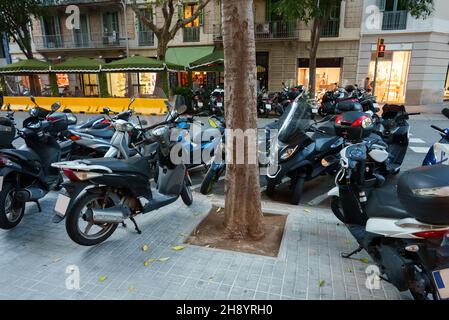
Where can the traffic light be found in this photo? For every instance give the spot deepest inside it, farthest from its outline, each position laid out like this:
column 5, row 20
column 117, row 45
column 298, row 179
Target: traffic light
column 380, row 48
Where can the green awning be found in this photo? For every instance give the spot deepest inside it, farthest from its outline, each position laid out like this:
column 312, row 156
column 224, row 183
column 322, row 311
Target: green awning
column 79, row 65
column 28, row 66
column 185, row 55
column 211, row 62
column 139, row 64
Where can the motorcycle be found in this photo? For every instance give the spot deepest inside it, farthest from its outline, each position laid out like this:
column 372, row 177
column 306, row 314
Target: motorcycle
column 198, row 99
column 438, row 153
column 216, row 101
column 300, row 148
column 405, row 229
column 26, row 174
column 100, row 195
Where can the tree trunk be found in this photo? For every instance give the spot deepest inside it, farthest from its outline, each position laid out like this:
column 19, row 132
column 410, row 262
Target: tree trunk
column 314, row 42
column 161, row 77
column 243, row 212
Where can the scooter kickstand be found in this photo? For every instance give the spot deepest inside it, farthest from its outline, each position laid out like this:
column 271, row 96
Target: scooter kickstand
column 349, row 255
column 135, row 225
column 38, row 205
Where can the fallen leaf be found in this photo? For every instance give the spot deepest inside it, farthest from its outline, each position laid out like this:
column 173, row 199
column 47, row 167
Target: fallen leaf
column 207, row 246
column 183, row 234
column 307, row 210
column 163, row 259
column 348, row 242
column 131, row 288
column 364, row 260
column 218, row 210
column 146, row 263
column 211, row 278
column 56, row 260
column 178, row 248
column 102, row 278
column 321, row 283
column 349, row 270
column 196, row 214
column 145, row 248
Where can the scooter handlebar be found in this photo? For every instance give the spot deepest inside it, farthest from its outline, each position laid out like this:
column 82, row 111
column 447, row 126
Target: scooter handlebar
column 437, row 128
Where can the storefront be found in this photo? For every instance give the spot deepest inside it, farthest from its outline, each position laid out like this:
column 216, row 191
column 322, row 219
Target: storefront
column 328, row 73
column 262, row 60
column 392, row 74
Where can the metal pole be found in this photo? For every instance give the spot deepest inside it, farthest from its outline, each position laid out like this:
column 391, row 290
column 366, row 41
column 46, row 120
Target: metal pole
column 125, row 3
column 375, row 67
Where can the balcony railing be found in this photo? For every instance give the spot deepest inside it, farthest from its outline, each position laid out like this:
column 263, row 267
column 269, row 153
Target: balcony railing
column 191, row 34
column 331, row 29
column 66, row 2
column 270, row 30
column 79, row 41
column 146, row 38
column 394, row 20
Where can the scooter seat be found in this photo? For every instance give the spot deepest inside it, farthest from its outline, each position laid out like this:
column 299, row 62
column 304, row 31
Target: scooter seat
column 23, row 155
column 86, row 124
column 384, row 203
column 138, row 165
column 99, row 133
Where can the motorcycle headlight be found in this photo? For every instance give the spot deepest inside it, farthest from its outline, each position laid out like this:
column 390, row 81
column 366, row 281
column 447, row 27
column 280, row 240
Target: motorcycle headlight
column 287, row 153
column 124, row 127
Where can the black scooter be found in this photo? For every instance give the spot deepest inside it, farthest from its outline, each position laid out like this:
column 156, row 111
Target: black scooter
column 300, row 147
column 404, row 227
column 100, row 195
column 26, row 174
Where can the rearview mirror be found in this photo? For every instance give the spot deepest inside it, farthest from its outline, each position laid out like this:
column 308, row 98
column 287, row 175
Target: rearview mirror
column 143, row 122
column 55, row 106
column 33, row 99
column 106, row 111
column 131, row 101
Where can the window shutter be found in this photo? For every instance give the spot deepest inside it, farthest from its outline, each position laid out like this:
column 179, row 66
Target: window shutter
column 381, row 4
column 201, row 17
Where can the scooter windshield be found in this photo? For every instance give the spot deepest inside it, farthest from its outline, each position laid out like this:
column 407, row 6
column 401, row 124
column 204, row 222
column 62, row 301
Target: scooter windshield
column 296, row 122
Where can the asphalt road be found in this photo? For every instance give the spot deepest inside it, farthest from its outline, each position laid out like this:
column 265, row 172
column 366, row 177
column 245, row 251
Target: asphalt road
column 421, row 138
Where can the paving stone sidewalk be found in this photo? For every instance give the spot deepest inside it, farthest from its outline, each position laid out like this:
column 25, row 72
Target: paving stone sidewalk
column 34, row 258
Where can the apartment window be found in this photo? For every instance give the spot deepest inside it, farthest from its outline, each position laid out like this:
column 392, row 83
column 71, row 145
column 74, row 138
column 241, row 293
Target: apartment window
column 146, row 35
column 51, row 32
column 81, row 35
column 332, row 27
column 395, row 14
column 111, row 29
column 191, row 31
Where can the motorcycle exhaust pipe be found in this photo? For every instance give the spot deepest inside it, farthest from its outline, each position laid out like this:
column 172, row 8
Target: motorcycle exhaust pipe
column 29, row 194
column 109, row 215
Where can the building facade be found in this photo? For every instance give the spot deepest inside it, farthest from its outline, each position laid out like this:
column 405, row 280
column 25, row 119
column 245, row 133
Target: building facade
column 415, row 67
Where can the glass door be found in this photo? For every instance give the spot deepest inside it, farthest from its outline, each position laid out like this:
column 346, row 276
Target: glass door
column 81, row 35
column 111, row 29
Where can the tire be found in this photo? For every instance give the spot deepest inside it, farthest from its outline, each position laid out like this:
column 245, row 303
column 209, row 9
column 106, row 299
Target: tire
column 10, row 213
column 271, row 188
column 208, row 182
column 297, row 191
column 336, row 209
column 321, row 112
column 73, row 217
column 186, row 195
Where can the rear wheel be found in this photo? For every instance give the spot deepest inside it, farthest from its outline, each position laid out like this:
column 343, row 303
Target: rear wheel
column 11, row 211
column 79, row 220
column 297, row 190
column 271, row 188
column 337, row 208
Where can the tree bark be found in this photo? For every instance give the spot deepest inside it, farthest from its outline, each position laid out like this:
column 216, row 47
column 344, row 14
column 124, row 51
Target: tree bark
column 314, row 43
column 243, row 212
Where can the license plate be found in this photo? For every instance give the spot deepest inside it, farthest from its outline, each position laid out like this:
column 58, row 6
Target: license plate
column 1, row 183
column 441, row 279
column 268, row 106
column 62, row 204
column 314, row 110
column 200, row 104
column 219, row 104
column 375, row 105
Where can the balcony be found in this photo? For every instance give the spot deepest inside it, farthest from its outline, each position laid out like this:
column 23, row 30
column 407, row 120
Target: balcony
column 146, row 38
column 394, row 20
column 191, row 34
column 270, row 30
column 79, row 41
column 331, row 29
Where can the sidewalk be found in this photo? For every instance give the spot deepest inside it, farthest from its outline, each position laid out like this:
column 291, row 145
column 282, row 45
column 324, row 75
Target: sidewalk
column 35, row 255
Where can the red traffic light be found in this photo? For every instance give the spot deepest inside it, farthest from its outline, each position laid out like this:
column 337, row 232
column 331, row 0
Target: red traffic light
column 382, row 48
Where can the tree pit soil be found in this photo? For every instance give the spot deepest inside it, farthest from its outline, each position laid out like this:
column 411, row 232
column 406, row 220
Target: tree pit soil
column 210, row 233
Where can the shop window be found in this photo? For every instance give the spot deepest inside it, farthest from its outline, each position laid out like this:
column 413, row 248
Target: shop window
column 89, row 82
column 392, row 74
column 143, row 84
column 326, row 78
column 117, row 84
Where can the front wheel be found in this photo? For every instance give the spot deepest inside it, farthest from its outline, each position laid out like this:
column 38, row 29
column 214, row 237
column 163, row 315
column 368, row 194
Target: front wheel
column 297, row 190
column 337, row 209
column 186, row 195
column 80, row 225
column 11, row 211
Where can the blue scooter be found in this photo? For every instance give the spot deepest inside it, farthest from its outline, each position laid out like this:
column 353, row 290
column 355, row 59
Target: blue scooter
column 439, row 152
